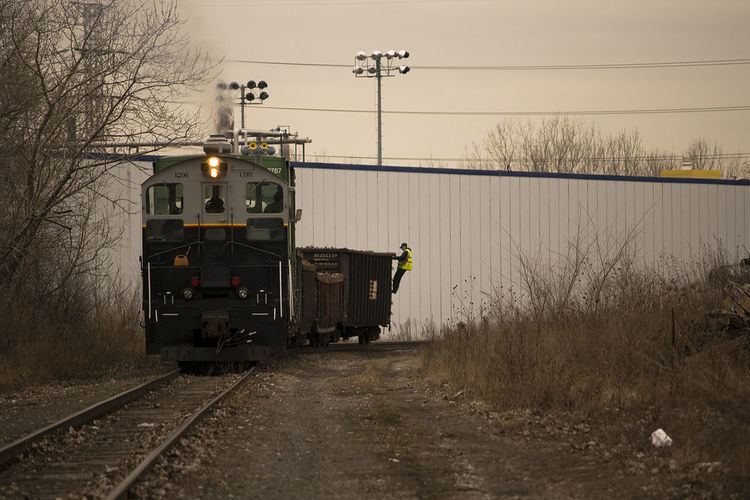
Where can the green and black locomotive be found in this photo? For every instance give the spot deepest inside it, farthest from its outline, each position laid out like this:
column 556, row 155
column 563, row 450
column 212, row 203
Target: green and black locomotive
column 222, row 277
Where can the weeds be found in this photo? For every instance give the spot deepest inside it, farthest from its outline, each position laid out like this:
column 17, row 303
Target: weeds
column 598, row 334
column 96, row 334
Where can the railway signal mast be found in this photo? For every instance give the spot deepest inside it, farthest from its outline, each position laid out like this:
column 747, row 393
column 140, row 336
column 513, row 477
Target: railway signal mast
column 377, row 65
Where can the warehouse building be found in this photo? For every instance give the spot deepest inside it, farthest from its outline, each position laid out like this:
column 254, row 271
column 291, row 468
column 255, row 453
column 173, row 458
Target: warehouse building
column 470, row 229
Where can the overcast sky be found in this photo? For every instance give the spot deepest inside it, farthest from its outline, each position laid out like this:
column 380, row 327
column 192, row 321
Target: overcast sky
column 483, row 32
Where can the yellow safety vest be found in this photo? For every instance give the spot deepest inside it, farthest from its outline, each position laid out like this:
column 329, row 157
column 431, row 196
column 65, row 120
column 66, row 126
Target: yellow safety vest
column 406, row 266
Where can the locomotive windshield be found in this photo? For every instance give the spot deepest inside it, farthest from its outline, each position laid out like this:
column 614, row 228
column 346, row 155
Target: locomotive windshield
column 214, row 198
column 164, row 199
column 264, row 197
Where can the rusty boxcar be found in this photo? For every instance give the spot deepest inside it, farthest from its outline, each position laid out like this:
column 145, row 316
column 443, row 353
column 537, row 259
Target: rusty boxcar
column 351, row 288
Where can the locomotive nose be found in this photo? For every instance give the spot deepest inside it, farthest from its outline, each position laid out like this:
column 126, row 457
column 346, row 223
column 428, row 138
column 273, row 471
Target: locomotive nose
column 216, row 275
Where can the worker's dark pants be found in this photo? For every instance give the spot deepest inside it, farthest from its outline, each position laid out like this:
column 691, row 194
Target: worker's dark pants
column 397, row 279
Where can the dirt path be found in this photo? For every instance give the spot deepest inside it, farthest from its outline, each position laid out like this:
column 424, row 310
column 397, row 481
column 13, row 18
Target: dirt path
column 364, row 425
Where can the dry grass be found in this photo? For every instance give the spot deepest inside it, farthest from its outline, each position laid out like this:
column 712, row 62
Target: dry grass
column 598, row 336
column 41, row 348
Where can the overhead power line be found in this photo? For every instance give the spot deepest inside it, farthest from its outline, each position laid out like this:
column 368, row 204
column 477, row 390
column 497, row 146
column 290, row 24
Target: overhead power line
column 537, row 160
column 530, row 67
column 642, row 111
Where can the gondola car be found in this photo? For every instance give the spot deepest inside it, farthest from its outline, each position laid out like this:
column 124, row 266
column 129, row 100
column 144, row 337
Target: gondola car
column 222, row 278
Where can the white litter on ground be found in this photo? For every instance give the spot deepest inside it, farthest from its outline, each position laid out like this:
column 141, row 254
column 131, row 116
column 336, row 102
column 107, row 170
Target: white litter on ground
column 660, row 438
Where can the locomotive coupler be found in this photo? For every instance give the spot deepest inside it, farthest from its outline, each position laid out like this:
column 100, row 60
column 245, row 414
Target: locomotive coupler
column 215, row 324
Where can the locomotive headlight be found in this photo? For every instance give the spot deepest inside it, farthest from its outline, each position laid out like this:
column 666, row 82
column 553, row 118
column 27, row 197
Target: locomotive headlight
column 213, row 166
column 187, row 293
column 242, row 292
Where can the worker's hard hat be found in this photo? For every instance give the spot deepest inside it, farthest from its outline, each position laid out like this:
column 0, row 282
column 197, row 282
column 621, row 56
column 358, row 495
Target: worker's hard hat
column 404, row 245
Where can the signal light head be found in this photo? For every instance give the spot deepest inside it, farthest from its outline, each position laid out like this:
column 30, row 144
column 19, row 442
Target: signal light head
column 403, row 54
column 249, row 96
column 361, row 56
column 213, row 161
column 262, row 84
column 234, row 85
column 263, row 96
column 404, row 69
column 251, row 84
column 213, row 172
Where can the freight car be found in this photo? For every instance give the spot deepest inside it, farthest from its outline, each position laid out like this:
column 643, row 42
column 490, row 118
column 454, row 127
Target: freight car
column 222, row 278
column 346, row 293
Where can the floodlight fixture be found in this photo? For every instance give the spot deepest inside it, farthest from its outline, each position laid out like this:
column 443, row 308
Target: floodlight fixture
column 378, row 65
column 249, row 97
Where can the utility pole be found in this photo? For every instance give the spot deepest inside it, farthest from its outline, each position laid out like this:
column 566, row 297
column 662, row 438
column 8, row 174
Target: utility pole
column 379, row 78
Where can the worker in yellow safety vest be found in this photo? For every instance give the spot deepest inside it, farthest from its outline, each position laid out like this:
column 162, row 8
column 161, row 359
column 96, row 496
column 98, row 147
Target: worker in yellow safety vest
column 404, row 264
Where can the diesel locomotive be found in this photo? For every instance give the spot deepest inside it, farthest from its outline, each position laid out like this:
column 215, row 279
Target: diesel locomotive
column 223, row 279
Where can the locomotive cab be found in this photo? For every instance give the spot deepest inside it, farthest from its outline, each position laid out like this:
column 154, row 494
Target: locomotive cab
column 217, row 274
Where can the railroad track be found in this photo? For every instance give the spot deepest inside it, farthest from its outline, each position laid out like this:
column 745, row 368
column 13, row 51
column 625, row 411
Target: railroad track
column 376, row 346
column 106, row 456
column 25, row 443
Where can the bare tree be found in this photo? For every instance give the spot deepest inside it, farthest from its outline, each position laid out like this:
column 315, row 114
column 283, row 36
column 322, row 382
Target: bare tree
column 75, row 75
column 703, row 154
column 562, row 144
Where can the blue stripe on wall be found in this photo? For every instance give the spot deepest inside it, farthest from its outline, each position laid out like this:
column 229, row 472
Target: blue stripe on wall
column 510, row 173
column 478, row 172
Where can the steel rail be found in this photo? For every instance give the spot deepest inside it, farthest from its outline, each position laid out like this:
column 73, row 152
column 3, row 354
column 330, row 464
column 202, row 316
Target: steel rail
column 108, row 405
column 121, row 490
column 376, row 346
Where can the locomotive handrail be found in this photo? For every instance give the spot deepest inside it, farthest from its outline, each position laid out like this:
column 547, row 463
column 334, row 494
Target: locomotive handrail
column 201, row 244
column 256, row 249
column 173, row 249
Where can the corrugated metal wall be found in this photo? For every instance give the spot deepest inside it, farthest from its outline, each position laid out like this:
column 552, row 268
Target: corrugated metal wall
column 123, row 188
column 467, row 228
